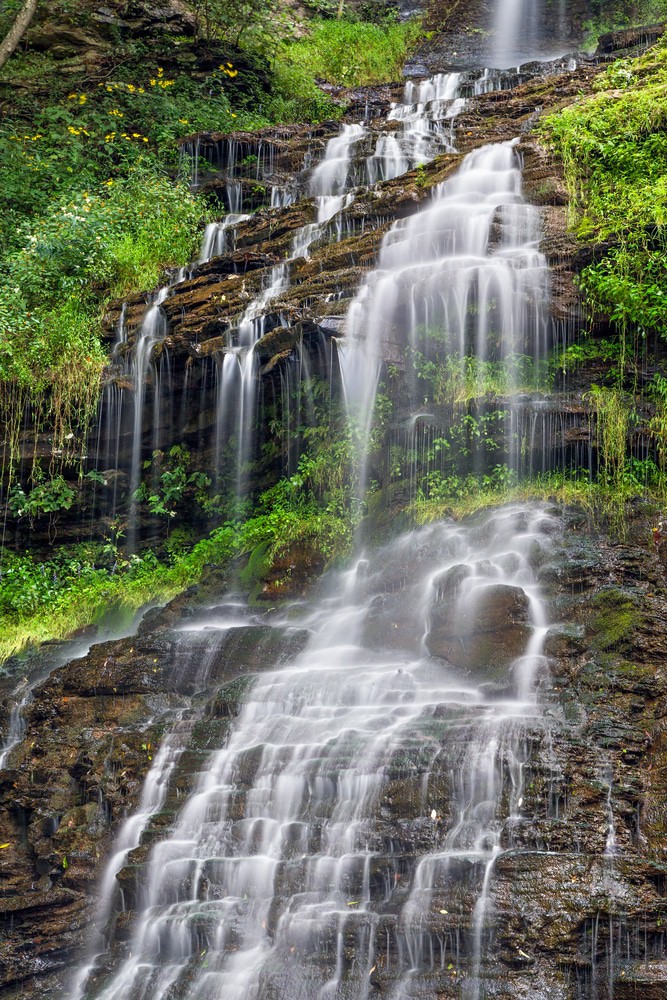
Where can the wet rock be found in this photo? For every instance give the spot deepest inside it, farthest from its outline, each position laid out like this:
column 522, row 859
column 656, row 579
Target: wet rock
column 486, row 631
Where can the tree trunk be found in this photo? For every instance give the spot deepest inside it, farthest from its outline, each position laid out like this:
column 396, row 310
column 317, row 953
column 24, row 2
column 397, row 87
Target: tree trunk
column 17, row 30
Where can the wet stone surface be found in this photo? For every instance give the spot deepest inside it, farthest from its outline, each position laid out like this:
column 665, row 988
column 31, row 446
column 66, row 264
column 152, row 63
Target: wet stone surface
column 582, row 863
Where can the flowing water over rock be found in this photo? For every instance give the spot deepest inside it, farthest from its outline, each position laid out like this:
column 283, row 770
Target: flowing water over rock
column 278, row 879
column 465, row 271
column 389, row 806
column 525, row 30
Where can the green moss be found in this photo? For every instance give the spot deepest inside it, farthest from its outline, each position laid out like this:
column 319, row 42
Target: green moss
column 615, row 617
column 255, row 570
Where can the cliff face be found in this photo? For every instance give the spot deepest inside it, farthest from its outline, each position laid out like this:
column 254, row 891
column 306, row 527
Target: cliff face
column 205, row 304
column 577, row 904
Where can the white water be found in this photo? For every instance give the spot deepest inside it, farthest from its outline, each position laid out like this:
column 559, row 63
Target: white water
column 152, row 799
column 525, row 30
column 465, row 271
column 331, row 184
column 273, row 861
column 267, row 885
column 152, row 331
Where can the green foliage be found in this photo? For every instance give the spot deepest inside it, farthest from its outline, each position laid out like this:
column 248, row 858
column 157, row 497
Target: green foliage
column 93, row 133
column 248, row 24
column 614, row 150
column 354, row 53
column 614, row 15
column 566, row 359
column 450, row 495
column 174, row 484
column 47, row 497
column 296, row 97
column 460, row 379
column 27, row 585
column 118, row 238
column 53, row 287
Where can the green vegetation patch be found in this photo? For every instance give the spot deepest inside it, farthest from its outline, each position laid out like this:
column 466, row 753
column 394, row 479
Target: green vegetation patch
column 354, row 53
column 615, row 617
column 614, row 150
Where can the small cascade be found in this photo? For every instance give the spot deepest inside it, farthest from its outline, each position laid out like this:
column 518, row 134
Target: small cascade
column 220, row 237
column 152, row 331
column 427, row 115
column 464, row 273
column 276, row 873
column 236, row 387
column 611, row 847
column 329, row 180
column 152, row 799
column 16, row 727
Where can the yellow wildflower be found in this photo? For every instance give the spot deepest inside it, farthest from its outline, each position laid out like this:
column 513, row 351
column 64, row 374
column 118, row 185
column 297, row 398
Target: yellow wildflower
column 109, row 183
column 152, row 81
column 82, row 98
column 184, row 121
column 131, row 88
column 72, row 97
column 160, row 71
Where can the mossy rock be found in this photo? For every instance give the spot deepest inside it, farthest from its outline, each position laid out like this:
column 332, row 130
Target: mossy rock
column 615, row 616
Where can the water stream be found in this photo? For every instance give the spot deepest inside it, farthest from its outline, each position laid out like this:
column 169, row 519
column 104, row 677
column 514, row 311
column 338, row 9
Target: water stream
column 276, row 879
column 321, row 854
column 465, row 271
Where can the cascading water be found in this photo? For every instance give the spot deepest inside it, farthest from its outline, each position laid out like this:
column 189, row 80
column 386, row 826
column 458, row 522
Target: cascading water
column 525, row 30
column 426, row 116
column 276, row 879
column 465, row 271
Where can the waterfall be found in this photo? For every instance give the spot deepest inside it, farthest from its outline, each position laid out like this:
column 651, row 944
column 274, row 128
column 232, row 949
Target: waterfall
column 276, row 878
column 526, row 30
column 426, row 114
column 466, row 271
column 413, row 700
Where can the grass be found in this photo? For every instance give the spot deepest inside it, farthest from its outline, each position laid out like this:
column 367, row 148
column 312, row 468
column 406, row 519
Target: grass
column 602, row 501
column 354, row 53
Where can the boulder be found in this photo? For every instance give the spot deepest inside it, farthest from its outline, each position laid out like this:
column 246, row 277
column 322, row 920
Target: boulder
column 484, row 631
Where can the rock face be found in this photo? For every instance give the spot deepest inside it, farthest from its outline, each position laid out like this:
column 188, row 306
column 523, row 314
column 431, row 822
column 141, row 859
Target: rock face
column 576, row 906
column 481, row 628
column 202, row 311
column 92, row 732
